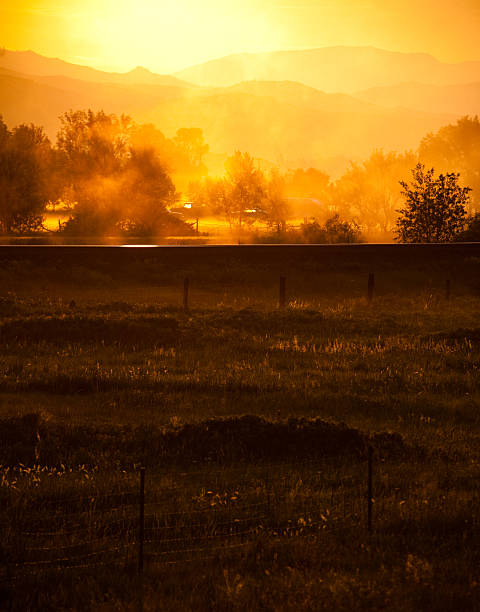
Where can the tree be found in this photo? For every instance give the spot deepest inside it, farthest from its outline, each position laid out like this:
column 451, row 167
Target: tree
column 334, row 231
column 275, row 205
column 435, row 207
column 92, row 143
column 92, row 152
column 472, row 231
column 116, row 175
column 370, row 191
column 147, row 190
column 191, row 149
column 246, row 189
column 25, row 164
column 132, row 200
column 456, row 146
column 310, row 183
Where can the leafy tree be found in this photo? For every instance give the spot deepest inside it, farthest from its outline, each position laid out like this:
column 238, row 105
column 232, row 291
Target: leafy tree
column 210, row 195
column 370, row 191
column 456, row 146
column 181, row 155
column 147, row 190
column 133, row 200
column 245, row 195
column 147, row 136
column 25, row 163
column 435, row 207
column 334, row 231
column 472, row 231
column 191, row 149
column 245, row 187
column 92, row 152
column 275, row 205
column 92, row 143
column 310, row 183
column 116, row 176
column 312, row 231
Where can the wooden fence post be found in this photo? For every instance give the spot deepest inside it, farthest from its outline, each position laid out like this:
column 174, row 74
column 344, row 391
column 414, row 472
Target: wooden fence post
column 186, row 284
column 369, row 490
column 281, row 296
column 371, row 286
column 141, row 524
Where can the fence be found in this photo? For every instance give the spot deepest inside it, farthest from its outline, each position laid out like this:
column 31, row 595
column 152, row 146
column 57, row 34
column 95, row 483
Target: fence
column 181, row 517
column 282, row 291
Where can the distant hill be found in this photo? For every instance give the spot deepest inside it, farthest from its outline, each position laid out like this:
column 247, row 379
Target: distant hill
column 42, row 99
column 461, row 99
column 332, row 69
column 30, row 63
column 284, row 122
column 298, row 94
column 22, row 100
column 292, row 134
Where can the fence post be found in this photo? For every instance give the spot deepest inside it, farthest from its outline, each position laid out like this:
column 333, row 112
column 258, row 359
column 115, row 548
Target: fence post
column 369, row 490
column 281, row 296
column 371, row 286
column 141, row 524
column 186, row 284
column 447, row 289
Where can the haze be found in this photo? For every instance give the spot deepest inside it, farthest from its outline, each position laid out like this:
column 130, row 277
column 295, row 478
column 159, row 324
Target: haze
column 174, row 34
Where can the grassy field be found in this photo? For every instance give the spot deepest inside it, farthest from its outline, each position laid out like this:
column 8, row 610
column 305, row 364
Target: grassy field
column 253, row 424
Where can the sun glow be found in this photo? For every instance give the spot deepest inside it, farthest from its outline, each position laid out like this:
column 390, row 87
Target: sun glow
column 168, row 35
column 163, row 36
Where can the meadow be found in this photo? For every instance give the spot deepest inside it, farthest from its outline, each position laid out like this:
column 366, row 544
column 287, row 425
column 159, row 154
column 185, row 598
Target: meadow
column 253, row 423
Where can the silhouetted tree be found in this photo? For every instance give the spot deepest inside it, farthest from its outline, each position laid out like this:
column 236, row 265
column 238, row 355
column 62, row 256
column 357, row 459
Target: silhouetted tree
column 25, row 162
column 435, row 207
column 472, row 231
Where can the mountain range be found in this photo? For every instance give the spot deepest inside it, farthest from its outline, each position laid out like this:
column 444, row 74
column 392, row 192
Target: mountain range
column 332, row 69
column 320, row 107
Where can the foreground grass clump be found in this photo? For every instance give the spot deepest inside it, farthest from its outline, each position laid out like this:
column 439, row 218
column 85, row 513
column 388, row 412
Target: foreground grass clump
column 265, row 511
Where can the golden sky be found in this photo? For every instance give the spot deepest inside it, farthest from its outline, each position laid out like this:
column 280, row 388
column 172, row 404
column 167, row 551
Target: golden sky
column 167, row 35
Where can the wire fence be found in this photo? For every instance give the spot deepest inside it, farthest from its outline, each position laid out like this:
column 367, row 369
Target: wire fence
column 192, row 516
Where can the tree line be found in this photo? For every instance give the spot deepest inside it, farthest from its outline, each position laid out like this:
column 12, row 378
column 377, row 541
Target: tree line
column 113, row 175
column 109, row 173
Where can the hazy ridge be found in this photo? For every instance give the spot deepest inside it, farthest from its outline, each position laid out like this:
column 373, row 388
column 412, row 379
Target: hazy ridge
column 460, row 98
column 332, row 69
column 31, row 63
column 266, row 108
